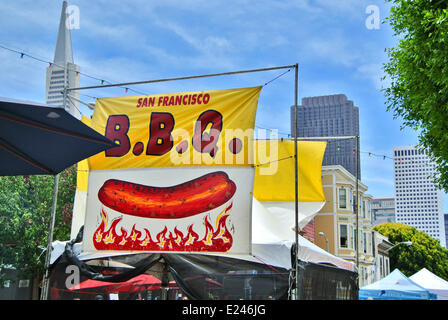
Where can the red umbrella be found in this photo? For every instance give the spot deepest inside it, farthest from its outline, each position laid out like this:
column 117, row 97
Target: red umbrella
column 132, row 285
column 95, row 284
column 145, row 279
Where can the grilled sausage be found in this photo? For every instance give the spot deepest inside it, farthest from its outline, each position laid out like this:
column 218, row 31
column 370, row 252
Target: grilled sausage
column 180, row 201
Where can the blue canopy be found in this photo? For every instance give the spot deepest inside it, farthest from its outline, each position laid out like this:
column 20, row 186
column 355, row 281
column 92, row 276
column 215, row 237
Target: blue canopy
column 38, row 139
column 395, row 286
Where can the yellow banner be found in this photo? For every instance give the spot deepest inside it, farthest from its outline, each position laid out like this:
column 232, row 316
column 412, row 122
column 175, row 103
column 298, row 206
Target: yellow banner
column 177, row 129
column 274, row 174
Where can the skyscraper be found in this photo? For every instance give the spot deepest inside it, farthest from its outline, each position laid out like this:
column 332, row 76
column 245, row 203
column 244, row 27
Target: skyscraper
column 63, row 72
column 418, row 201
column 330, row 116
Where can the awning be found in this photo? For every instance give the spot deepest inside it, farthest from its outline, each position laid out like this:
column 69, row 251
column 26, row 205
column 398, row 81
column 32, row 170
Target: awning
column 38, row 139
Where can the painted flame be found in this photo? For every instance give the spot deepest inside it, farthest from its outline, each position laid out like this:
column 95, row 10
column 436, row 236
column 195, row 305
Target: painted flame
column 216, row 239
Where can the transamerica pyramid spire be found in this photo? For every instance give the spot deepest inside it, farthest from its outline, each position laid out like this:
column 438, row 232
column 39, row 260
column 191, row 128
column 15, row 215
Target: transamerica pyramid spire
column 63, row 72
column 63, row 52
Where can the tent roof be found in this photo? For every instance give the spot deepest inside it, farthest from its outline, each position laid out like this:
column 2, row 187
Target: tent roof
column 395, row 286
column 396, row 280
column 432, row 282
column 429, row 280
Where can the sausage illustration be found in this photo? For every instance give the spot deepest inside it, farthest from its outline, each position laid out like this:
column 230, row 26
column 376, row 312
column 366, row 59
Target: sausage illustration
column 179, row 201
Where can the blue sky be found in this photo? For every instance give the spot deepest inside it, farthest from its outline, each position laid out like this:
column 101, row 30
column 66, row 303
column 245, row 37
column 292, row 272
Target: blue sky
column 122, row 41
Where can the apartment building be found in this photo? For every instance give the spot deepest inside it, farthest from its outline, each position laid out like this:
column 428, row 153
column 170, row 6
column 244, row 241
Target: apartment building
column 338, row 224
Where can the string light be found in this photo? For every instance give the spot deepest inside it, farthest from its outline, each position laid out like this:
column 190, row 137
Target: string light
column 50, row 64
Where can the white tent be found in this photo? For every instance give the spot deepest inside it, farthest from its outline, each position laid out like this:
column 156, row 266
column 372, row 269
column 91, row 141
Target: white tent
column 431, row 282
column 269, row 233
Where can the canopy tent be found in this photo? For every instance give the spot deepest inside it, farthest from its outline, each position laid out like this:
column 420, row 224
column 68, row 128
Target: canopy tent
column 395, row 286
column 271, row 260
column 273, row 213
column 38, row 139
column 431, row 282
column 264, row 273
column 271, row 245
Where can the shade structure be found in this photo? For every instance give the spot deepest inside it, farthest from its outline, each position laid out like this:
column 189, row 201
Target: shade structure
column 38, row 139
column 432, row 282
column 91, row 284
column 144, row 280
column 135, row 284
column 395, row 286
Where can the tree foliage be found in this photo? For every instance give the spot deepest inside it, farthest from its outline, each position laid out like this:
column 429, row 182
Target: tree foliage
column 425, row 251
column 25, row 210
column 418, row 71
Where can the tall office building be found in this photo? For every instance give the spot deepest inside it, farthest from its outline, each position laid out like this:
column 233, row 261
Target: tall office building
column 446, row 228
column 330, row 116
column 63, row 72
column 418, row 201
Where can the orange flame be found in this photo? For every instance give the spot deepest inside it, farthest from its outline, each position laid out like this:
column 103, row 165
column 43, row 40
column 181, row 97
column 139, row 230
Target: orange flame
column 218, row 239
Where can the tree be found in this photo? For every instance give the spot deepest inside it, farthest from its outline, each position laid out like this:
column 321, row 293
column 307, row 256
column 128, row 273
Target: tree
column 425, row 251
column 25, row 209
column 418, row 71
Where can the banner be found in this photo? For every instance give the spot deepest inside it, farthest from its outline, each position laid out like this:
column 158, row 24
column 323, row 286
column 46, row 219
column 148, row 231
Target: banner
column 181, row 176
column 274, row 184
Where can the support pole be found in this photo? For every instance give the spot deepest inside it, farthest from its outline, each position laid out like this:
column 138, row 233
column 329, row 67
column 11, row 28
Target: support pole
column 296, row 176
column 45, row 280
column 357, row 204
column 183, row 78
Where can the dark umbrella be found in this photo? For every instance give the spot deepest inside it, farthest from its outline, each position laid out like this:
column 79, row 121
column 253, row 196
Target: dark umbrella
column 37, row 139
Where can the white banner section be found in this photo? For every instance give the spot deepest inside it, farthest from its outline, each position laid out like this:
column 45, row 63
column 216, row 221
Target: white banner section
column 183, row 209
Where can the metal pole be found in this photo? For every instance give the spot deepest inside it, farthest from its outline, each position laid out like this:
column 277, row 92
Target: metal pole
column 357, row 204
column 45, row 282
column 296, row 169
column 328, row 138
column 183, row 78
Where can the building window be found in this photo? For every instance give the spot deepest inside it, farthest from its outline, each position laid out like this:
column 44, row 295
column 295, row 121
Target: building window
column 342, row 198
column 387, row 266
column 343, row 236
column 381, row 267
column 352, row 237
column 363, row 208
column 364, row 241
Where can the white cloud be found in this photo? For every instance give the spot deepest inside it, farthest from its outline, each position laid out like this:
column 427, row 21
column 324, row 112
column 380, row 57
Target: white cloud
column 372, row 72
